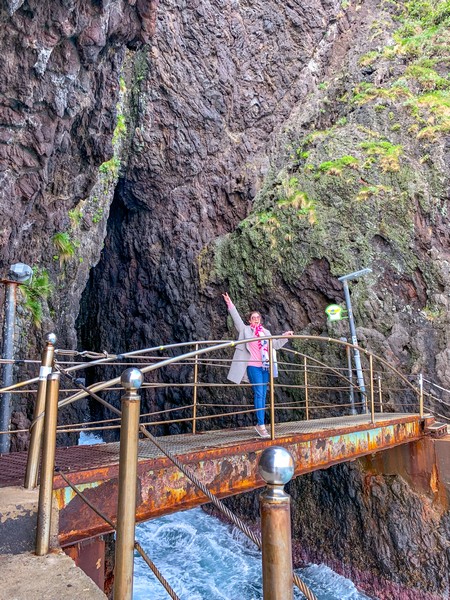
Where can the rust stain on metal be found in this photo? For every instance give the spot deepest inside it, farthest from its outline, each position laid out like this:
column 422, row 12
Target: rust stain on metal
column 90, row 557
column 226, row 471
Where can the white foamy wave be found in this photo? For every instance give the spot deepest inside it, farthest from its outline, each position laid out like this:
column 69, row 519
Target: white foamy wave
column 173, row 536
column 204, row 559
column 328, row 585
column 88, row 438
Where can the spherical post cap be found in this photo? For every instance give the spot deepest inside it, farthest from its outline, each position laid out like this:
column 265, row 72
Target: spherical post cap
column 132, row 379
column 276, row 465
column 51, row 338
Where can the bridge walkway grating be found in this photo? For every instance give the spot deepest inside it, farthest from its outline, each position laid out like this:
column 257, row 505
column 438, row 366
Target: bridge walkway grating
column 81, row 458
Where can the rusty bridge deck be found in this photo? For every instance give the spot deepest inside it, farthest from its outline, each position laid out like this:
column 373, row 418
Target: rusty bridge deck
column 226, row 461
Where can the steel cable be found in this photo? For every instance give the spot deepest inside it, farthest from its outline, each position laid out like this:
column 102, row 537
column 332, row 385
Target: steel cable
column 256, row 539
column 155, row 571
column 137, row 545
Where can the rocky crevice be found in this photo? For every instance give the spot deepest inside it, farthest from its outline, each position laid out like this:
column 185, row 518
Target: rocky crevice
column 200, row 151
column 59, row 90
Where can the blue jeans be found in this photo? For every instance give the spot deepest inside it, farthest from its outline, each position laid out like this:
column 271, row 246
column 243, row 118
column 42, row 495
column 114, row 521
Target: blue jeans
column 259, row 378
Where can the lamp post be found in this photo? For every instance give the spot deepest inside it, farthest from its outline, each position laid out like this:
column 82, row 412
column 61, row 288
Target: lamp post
column 350, row 376
column 18, row 273
column 359, row 374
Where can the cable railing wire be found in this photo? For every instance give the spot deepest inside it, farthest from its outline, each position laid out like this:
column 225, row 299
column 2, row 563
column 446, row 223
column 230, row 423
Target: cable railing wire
column 211, row 497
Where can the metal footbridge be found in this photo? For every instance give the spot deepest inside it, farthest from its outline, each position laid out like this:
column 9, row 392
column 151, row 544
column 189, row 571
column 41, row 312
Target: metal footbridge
column 316, row 411
column 225, row 460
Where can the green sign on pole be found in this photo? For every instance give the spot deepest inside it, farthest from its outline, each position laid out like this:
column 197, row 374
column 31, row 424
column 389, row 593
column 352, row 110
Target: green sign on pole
column 334, row 312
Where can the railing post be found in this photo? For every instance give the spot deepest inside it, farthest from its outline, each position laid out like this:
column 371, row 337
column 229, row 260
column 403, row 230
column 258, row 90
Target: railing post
column 126, row 507
column 34, row 450
column 421, row 395
column 305, row 371
column 276, row 467
column 194, row 411
column 48, row 466
column 380, row 394
column 353, row 410
column 372, row 396
column 272, row 391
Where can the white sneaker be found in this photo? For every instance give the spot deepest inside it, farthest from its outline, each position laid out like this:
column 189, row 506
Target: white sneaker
column 262, row 431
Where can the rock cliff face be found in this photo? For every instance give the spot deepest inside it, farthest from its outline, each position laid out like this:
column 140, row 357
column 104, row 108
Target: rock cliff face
column 272, row 149
column 59, row 93
column 60, row 67
column 220, row 79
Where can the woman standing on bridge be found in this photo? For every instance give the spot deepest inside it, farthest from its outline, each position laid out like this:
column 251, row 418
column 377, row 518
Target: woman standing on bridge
column 251, row 360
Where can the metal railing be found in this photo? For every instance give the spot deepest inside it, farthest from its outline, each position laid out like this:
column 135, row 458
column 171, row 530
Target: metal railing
column 307, row 387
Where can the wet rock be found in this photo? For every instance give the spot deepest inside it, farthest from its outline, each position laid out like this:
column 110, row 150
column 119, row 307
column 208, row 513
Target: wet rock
column 59, row 87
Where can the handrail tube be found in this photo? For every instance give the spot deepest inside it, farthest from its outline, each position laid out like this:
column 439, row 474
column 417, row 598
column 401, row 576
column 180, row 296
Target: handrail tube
column 220, row 346
column 227, row 343
column 34, row 450
column 102, row 385
column 101, row 361
column 126, row 505
column 48, row 466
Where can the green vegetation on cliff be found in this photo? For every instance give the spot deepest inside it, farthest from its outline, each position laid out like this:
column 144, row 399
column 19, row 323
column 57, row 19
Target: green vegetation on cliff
column 35, row 292
column 350, row 193
column 64, row 245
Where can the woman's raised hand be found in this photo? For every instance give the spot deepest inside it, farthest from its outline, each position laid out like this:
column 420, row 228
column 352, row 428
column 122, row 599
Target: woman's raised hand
column 227, row 299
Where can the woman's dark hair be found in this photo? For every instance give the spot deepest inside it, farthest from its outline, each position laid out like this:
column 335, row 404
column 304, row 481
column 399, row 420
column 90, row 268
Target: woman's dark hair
column 249, row 315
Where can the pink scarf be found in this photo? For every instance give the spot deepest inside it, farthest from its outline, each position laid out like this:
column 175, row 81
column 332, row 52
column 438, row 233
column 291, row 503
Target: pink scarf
column 263, row 345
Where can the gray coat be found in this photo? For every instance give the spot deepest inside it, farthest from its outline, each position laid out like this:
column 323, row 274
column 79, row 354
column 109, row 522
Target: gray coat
column 238, row 369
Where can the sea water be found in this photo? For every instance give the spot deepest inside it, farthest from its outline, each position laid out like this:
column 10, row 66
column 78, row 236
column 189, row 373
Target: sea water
column 205, row 559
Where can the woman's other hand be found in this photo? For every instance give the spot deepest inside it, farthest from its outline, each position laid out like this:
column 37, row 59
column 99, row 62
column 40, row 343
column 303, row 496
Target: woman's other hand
column 288, row 333
column 227, row 299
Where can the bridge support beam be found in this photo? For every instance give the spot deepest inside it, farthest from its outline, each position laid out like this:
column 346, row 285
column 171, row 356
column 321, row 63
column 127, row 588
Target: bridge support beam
column 226, row 470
